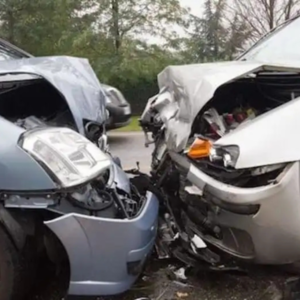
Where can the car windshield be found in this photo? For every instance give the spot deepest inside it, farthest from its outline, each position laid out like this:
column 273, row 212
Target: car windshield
column 282, row 44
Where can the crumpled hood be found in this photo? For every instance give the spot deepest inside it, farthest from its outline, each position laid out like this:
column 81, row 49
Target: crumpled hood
column 184, row 90
column 73, row 77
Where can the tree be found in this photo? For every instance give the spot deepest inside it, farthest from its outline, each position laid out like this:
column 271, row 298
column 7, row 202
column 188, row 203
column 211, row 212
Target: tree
column 112, row 34
column 137, row 19
column 263, row 15
column 42, row 27
column 215, row 36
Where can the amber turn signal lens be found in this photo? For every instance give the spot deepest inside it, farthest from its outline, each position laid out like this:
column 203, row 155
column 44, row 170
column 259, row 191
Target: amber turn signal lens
column 200, row 148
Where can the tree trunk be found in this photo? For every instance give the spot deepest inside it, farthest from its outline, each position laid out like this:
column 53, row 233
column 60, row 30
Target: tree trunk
column 116, row 29
column 11, row 27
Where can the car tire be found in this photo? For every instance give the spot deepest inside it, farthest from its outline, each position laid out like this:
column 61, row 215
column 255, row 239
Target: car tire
column 11, row 269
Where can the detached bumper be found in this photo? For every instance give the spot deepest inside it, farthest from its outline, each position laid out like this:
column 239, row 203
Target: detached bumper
column 106, row 255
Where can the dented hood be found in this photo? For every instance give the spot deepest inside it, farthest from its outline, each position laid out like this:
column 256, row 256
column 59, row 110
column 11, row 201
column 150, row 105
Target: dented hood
column 73, row 77
column 184, row 90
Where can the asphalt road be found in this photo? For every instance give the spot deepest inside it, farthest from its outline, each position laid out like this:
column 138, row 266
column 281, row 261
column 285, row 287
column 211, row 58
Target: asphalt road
column 259, row 284
column 130, row 147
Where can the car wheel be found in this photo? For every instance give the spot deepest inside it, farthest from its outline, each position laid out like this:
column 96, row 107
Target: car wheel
column 11, row 269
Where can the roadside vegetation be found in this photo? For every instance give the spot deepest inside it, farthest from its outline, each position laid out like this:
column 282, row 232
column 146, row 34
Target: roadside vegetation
column 128, row 42
column 132, row 127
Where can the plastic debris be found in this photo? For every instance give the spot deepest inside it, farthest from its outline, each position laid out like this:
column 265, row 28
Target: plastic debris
column 182, row 295
column 177, row 274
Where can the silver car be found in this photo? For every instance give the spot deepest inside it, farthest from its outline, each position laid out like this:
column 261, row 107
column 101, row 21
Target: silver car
column 230, row 131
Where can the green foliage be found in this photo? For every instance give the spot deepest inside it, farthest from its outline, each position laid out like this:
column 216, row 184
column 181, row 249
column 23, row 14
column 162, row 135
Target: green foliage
column 113, row 35
column 215, row 36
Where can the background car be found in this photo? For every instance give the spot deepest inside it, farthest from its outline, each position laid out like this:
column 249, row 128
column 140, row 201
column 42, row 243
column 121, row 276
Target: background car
column 118, row 107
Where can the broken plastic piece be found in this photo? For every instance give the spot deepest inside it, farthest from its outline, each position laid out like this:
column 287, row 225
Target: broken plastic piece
column 177, row 274
column 198, row 242
column 193, row 190
column 182, row 295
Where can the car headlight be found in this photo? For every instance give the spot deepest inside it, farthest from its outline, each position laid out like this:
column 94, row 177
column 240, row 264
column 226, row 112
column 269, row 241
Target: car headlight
column 203, row 148
column 228, row 154
column 69, row 156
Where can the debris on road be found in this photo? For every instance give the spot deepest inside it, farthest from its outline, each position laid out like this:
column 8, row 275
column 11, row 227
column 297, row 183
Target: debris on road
column 182, row 295
column 177, row 274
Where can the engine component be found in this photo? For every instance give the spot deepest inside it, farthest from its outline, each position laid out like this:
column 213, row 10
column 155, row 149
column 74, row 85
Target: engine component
column 215, row 121
column 30, row 123
column 92, row 199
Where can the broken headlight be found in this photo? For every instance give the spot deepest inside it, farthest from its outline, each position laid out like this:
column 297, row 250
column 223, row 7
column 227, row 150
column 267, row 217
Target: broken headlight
column 227, row 154
column 70, row 157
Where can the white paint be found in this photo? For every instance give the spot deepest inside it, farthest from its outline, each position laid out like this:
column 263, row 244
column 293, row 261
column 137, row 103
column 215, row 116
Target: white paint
column 198, row 242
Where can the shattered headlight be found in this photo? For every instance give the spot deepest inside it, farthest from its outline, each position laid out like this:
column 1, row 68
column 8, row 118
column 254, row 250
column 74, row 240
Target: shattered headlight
column 203, row 148
column 67, row 155
column 228, row 154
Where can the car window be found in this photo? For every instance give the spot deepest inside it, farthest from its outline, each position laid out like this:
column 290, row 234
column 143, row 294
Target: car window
column 283, row 44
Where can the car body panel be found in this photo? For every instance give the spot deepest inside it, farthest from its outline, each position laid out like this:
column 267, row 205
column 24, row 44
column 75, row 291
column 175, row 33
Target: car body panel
column 269, row 139
column 15, row 162
column 184, row 91
column 272, row 227
column 99, row 249
column 73, row 77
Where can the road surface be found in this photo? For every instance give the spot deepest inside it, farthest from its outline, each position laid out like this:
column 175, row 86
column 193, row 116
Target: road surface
column 130, row 147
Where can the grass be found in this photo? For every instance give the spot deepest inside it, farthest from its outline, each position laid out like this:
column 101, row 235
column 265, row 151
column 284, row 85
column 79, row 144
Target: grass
column 133, row 126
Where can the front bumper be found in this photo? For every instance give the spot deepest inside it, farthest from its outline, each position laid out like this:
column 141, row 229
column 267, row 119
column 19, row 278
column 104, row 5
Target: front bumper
column 106, row 255
column 270, row 236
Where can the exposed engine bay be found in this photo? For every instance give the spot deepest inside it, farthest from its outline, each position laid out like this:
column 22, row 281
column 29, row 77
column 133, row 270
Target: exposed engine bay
column 234, row 105
column 36, row 103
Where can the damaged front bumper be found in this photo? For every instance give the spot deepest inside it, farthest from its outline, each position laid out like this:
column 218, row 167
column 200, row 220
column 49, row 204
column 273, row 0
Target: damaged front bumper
column 106, row 255
column 259, row 224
